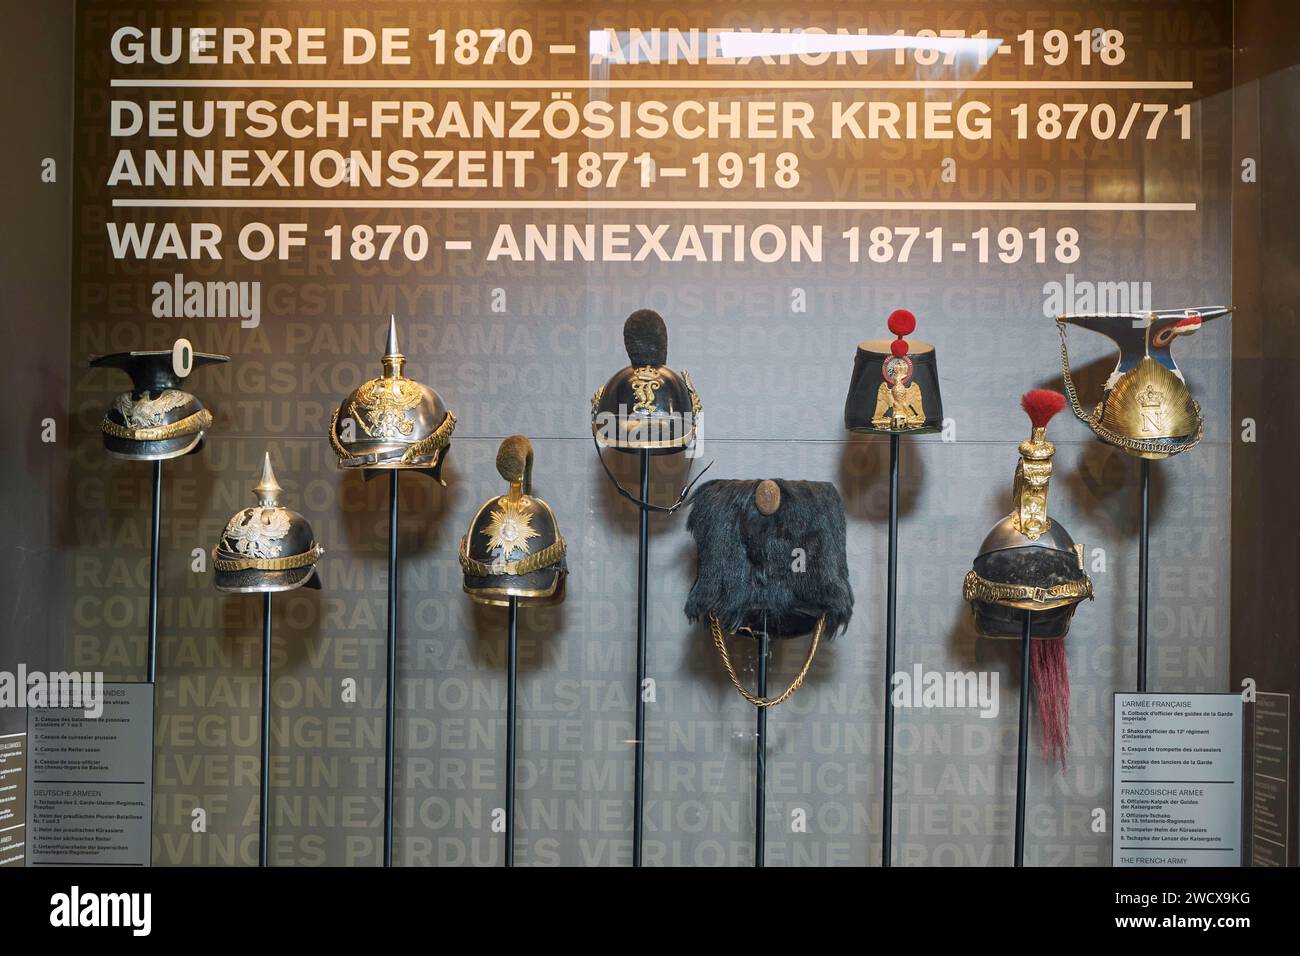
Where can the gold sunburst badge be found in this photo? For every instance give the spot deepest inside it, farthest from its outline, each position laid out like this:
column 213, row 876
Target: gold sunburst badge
column 510, row 527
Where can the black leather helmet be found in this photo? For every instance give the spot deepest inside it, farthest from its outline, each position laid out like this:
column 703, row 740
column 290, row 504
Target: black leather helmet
column 266, row 547
column 156, row 420
column 514, row 548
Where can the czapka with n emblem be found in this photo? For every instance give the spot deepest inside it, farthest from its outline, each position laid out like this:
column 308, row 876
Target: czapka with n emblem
column 646, row 407
column 1146, row 408
column 392, row 421
column 266, row 547
column 514, row 548
column 156, row 419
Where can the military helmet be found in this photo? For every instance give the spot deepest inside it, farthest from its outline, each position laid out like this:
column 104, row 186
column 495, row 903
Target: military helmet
column 514, row 548
column 266, row 547
column 895, row 383
column 1028, row 563
column 646, row 406
column 392, row 421
column 156, row 420
column 1146, row 408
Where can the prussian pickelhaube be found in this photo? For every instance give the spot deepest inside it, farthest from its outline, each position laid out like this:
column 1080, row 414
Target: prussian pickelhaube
column 1028, row 563
column 646, row 406
column 266, row 547
column 156, row 420
column 1146, row 408
column 514, row 548
column 895, row 384
column 392, row 421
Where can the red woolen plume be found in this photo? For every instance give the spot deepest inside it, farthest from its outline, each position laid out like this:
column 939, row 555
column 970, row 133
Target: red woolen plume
column 902, row 322
column 1041, row 404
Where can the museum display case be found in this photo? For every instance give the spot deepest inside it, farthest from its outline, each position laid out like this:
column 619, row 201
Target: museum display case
column 309, row 231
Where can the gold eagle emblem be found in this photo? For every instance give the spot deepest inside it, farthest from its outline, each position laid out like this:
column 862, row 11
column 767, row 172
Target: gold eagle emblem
column 146, row 412
column 254, row 532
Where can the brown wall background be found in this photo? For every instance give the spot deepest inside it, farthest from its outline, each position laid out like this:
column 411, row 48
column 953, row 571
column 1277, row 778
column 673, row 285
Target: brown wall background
column 772, row 383
column 36, row 302
column 1266, row 348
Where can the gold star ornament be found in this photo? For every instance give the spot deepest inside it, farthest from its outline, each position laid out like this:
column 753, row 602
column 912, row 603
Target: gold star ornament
column 510, row 527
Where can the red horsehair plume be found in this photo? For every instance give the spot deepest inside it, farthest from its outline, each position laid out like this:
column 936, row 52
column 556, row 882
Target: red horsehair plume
column 1049, row 669
column 1041, row 405
column 1050, row 674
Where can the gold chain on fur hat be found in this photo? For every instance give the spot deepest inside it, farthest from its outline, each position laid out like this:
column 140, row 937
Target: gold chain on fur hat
column 720, row 641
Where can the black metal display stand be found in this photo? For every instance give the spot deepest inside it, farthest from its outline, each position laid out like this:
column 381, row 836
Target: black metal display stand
column 1022, row 743
column 151, row 650
column 264, row 799
column 760, row 757
column 1144, row 554
column 512, row 672
column 390, row 714
column 891, row 624
column 642, row 610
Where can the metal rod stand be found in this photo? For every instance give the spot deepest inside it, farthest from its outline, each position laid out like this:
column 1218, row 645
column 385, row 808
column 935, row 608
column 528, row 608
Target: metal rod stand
column 891, row 625
column 512, row 670
column 642, row 608
column 1022, row 744
column 264, row 799
column 151, row 651
column 760, row 762
column 390, row 716
column 1144, row 555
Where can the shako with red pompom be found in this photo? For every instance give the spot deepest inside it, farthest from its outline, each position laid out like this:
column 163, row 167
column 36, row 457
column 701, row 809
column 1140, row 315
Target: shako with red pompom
column 895, row 384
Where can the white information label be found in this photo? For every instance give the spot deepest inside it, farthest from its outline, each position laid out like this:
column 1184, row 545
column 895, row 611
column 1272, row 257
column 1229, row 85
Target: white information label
column 90, row 781
column 1178, row 775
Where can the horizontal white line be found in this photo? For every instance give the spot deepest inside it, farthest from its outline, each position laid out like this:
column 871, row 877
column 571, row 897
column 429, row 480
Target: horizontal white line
column 666, row 204
column 563, row 48
column 20, row 734
column 459, row 245
column 561, row 84
column 16, row 826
